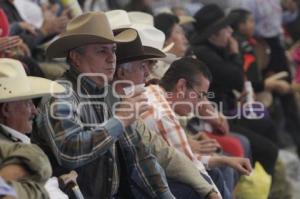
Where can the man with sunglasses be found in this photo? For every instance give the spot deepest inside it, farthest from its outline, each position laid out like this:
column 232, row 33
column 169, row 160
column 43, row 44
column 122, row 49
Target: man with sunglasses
column 181, row 91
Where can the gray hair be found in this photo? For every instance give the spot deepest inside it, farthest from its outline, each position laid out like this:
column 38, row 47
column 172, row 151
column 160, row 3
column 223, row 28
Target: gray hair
column 126, row 66
column 80, row 50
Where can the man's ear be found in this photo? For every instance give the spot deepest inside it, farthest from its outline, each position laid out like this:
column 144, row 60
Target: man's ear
column 214, row 36
column 120, row 73
column 4, row 109
column 74, row 56
column 181, row 85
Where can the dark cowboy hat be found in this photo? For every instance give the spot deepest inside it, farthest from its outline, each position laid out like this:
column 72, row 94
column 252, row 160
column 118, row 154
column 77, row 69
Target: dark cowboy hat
column 209, row 20
column 88, row 28
column 135, row 51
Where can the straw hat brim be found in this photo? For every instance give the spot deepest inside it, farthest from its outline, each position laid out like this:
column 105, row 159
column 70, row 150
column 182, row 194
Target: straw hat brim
column 168, row 47
column 39, row 87
column 149, row 53
column 60, row 47
column 169, row 59
column 186, row 20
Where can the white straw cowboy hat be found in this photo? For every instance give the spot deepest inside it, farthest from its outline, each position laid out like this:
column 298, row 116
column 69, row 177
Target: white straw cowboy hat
column 147, row 46
column 118, row 19
column 16, row 85
column 137, row 17
column 152, row 39
column 88, row 28
column 142, row 19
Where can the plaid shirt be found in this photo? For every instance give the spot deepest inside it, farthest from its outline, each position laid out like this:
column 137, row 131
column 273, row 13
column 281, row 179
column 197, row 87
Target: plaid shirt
column 71, row 126
column 162, row 118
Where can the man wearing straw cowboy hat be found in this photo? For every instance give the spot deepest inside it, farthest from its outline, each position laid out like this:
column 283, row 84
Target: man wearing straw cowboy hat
column 24, row 166
column 88, row 129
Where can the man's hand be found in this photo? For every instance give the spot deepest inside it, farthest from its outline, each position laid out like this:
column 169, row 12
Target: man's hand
column 211, row 115
column 24, row 49
column 28, row 27
column 242, row 165
column 233, row 46
column 213, row 195
column 13, row 46
column 222, row 125
column 130, row 108
column 279, row 86
column 7, row 43
column 53, row 24
column 277, row 83
column 203, row 146
column 13, row 172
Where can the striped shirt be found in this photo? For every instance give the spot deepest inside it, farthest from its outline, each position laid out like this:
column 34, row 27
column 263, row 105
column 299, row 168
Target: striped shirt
column 162, row 119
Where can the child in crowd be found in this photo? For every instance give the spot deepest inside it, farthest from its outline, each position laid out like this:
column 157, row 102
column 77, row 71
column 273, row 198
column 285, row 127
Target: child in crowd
column 243, row 32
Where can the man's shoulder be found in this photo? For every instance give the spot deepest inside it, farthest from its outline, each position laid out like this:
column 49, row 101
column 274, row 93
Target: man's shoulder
column 203, row 49
column 4, row 135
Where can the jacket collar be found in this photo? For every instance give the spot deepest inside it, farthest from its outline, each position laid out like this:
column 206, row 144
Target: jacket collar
column 14, row 135
column 86, row 84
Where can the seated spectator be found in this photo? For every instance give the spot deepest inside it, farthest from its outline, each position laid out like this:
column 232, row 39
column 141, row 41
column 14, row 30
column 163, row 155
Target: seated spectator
column 244, row 33
column 184, row 100
column 214, row 45
column 169, row 24
column 17, row 112
column 111, row 160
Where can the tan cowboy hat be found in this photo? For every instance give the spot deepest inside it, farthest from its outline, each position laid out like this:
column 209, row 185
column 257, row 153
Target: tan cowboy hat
column 88, row 28
column 16, row 85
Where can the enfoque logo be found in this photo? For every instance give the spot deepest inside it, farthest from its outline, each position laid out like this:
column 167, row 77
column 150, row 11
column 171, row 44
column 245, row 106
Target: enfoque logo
column 63, row 109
